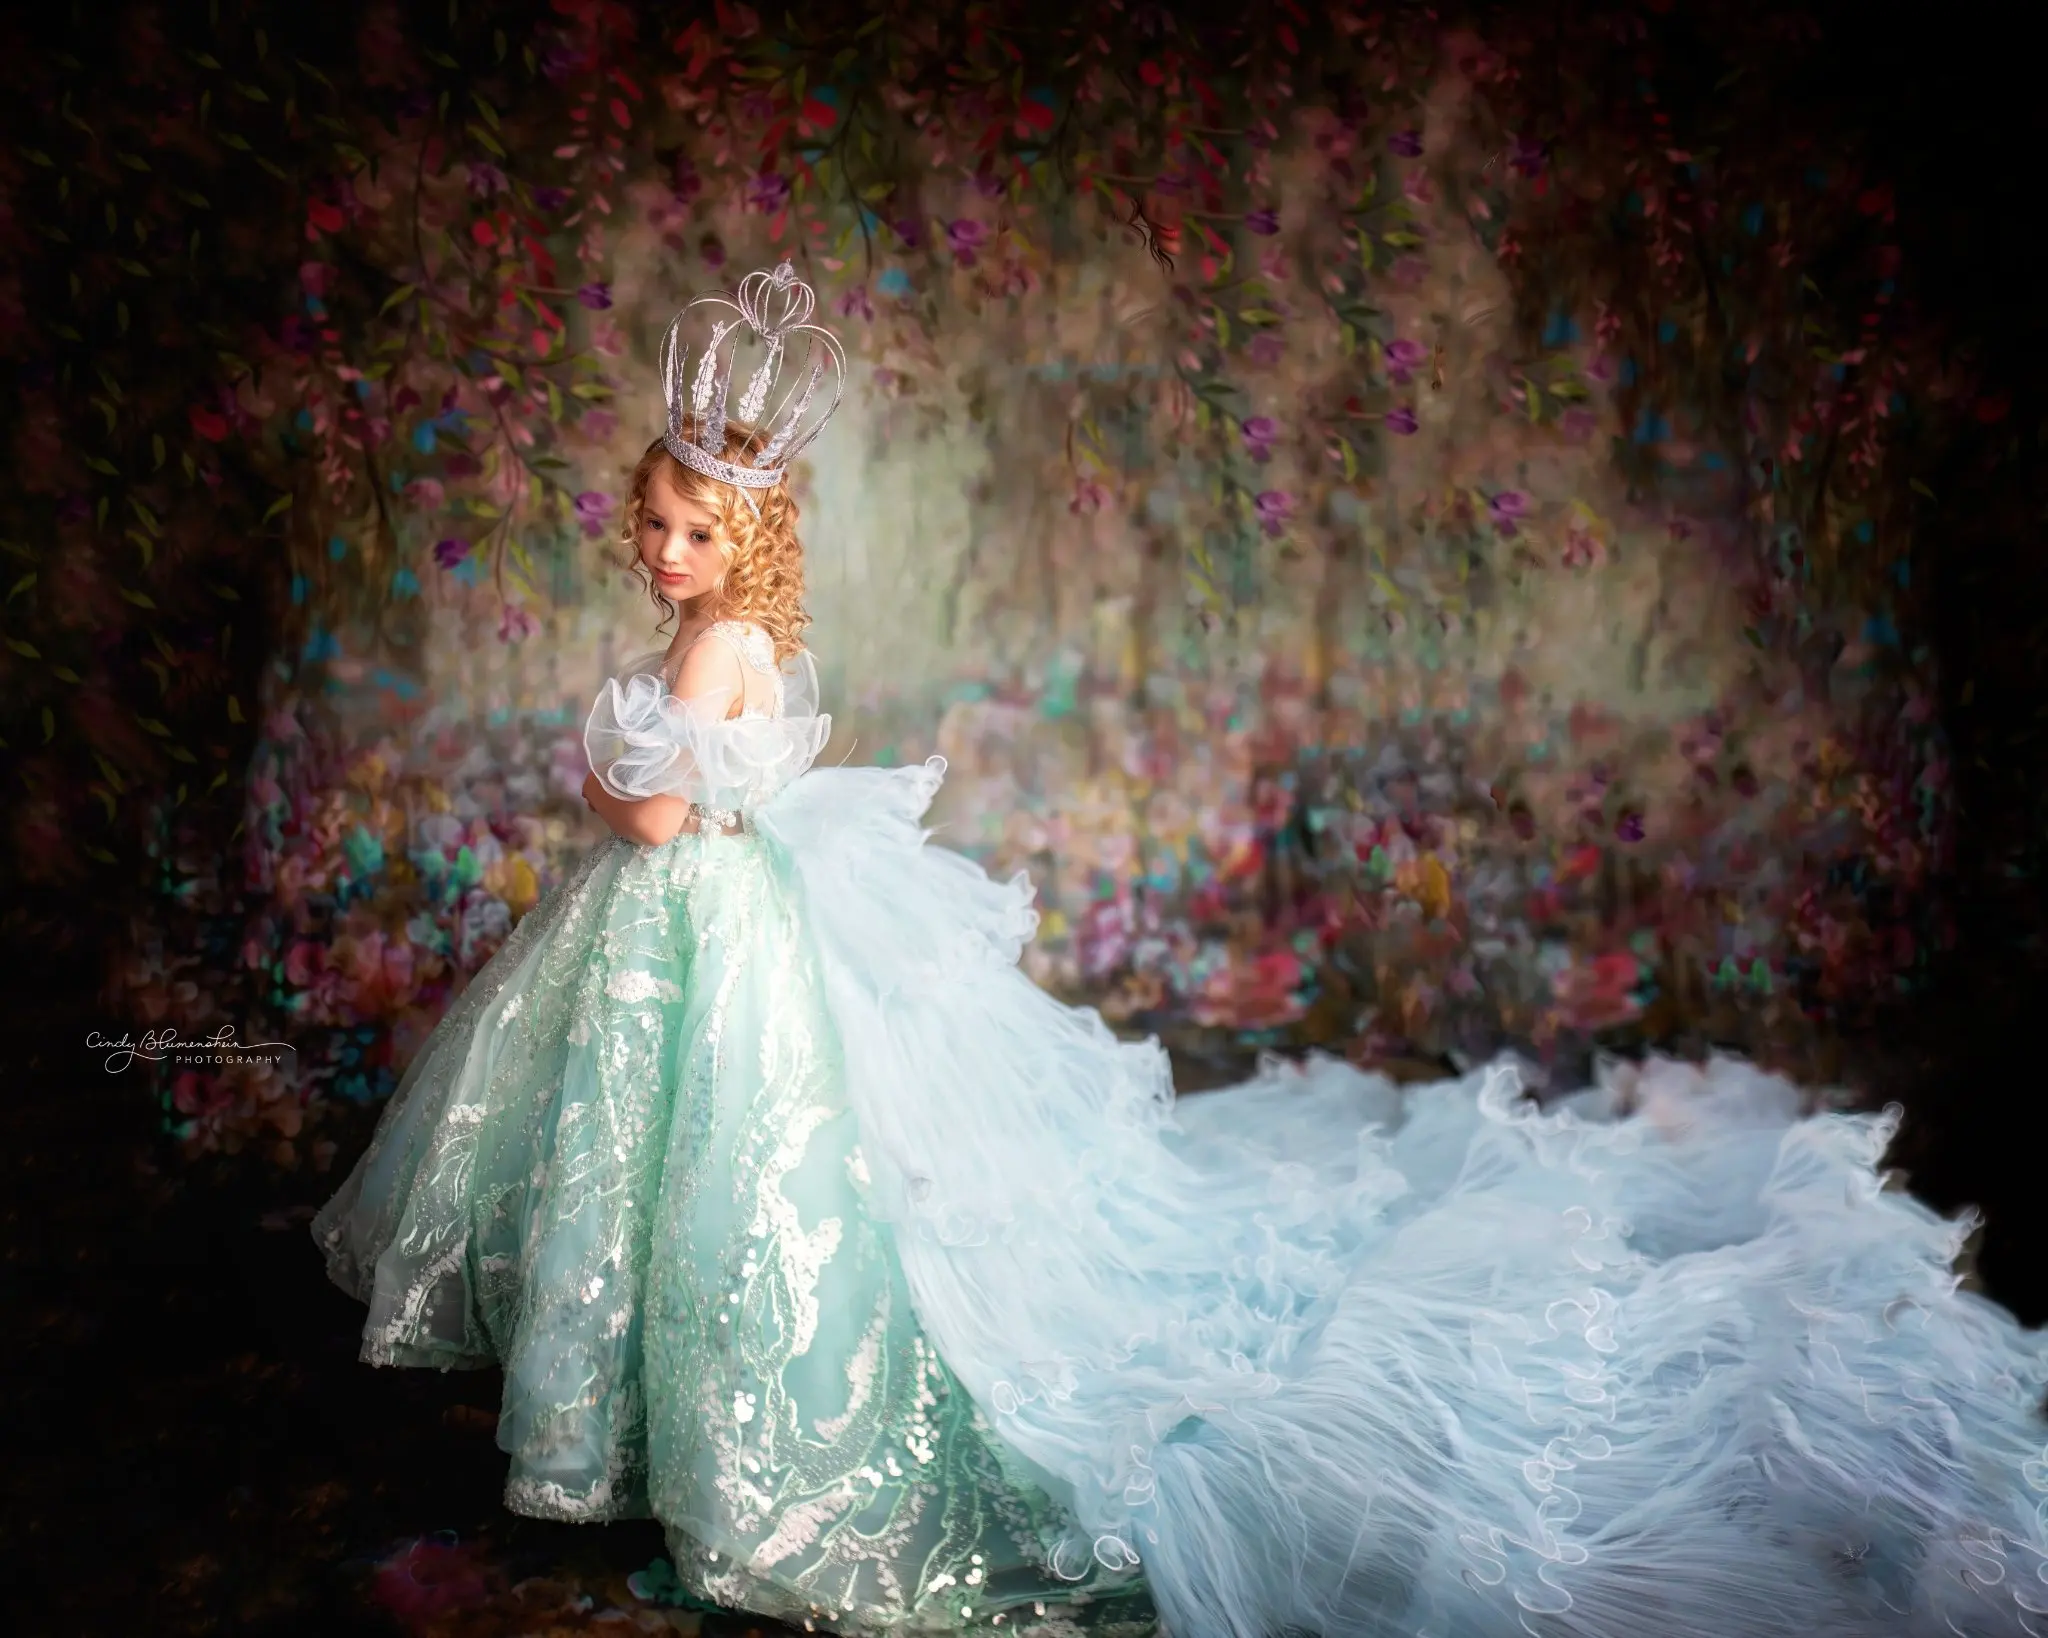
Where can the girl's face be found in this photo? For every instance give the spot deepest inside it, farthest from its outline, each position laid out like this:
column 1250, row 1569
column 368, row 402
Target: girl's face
column 679, row 541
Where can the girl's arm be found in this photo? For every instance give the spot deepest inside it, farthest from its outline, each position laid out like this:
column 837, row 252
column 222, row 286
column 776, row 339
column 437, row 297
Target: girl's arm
column 653, row 821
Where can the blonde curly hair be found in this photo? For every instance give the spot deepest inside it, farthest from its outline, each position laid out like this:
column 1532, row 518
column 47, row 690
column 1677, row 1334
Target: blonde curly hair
column 764, row 561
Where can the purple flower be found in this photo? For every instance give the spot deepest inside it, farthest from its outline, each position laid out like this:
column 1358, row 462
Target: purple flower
column 1408, row 271
column 1275, row 507
column 414, row 105
column 485, row 179
column 688, row 184
column 1408, row 144
column 515, row 625
column 560, row 60
column 593, row 506
column 1578, row 423
column 757, row 105
column 1525, row 156
column 1404, row 358
column 987, row 184
column 855, row 301
column 1266, row 348
column 1629, row 827
column 712, row 249
column 1259, row 433
column 1264, row 220
column 964, row 237
column 451, row 551
column 1507, row 509
column 595, row 296
column 910, row 230
column 550, row 199
column 75, row 509
column 1401, row 419
column 767, row 192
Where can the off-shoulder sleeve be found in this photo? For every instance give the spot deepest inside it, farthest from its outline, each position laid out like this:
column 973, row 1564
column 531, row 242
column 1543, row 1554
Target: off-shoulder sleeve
column 643, row 741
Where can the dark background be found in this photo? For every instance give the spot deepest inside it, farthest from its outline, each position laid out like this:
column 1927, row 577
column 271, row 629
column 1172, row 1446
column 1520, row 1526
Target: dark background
column 193, row 1447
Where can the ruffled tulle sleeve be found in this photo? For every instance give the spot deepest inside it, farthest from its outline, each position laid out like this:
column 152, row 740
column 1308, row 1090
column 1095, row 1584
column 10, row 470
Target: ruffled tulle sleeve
column 643, row 741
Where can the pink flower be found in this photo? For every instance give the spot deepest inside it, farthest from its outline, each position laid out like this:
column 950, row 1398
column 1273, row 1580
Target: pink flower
column 1266, row 348
column 1401, row 421
column 1258, row 434
column 1581, row 546
column 1578, row 423
column 1089, row 496
column 1275, row 507
column 516, row 624
column 1408, row 144
column 485, row 179
column 1507, row 509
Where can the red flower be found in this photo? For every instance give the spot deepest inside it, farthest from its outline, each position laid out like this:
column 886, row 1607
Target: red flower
column 213, row 428
column 324, row 217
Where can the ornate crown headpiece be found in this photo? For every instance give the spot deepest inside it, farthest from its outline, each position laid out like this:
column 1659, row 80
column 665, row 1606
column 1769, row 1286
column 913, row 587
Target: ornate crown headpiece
column 706, row 397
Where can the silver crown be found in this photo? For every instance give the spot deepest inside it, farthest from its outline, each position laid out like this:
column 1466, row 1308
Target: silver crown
column 706, row 397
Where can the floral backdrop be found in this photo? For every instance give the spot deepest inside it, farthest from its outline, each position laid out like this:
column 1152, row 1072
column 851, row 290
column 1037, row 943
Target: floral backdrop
column 1407, row 531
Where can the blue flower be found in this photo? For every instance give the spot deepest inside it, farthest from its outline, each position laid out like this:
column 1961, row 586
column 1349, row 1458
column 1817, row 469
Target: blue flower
column 894, row 282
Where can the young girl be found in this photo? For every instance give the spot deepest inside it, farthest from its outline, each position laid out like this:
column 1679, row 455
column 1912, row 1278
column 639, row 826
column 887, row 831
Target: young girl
column 910, row 1299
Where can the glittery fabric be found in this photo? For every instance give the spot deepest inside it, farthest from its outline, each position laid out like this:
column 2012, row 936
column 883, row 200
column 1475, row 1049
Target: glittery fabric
column 624, row 1169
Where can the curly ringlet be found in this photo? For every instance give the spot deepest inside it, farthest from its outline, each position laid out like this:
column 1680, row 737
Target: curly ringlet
column 764, row 559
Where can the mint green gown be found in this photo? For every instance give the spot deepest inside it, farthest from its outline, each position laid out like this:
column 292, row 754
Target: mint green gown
column 912, row 1300
column 624, row 1167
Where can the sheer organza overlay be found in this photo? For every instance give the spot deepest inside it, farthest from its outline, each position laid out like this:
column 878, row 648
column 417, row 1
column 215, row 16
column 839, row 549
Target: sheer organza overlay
column 643, row 741
column 911, row 1298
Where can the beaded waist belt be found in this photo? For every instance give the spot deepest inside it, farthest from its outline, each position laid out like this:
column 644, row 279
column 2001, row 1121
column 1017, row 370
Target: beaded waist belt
column 729, row 820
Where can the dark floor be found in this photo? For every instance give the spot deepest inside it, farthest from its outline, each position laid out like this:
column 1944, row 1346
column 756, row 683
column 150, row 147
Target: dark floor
column 194, row 1447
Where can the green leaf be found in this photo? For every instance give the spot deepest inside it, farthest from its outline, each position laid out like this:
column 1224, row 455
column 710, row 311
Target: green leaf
column 141, row 600
column 101, row 464
column 143, row 544
column 490, row 142
column 64, row 673
column 440, row 57
column 49, row 725
column 484, row 108
column 20, row 586
column 26, row 650
column 283, row 503
column 239, row 144
column 402, row 293
column 39, row 157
